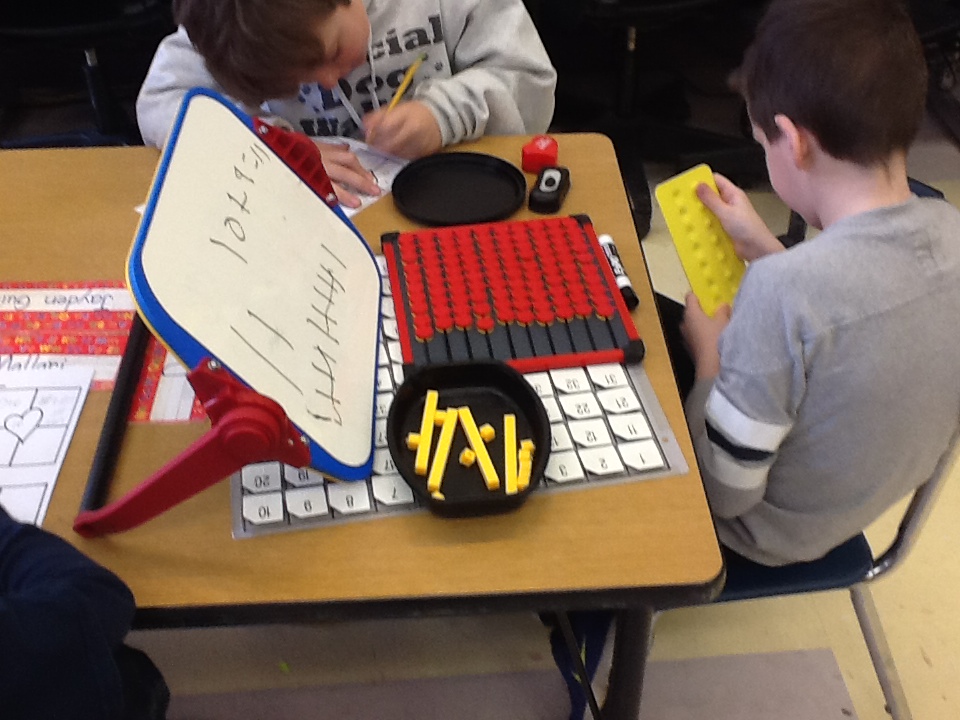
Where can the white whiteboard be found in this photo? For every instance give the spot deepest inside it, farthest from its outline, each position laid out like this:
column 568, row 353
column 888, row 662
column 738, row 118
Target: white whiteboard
column 241, row 255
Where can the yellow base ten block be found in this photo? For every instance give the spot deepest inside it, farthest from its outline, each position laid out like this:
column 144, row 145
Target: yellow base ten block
column 479, row 448
column 422, row 459
column 467, row 457
column 526, row 467
column 705, row 249
column 510, row 453
column 441, row 454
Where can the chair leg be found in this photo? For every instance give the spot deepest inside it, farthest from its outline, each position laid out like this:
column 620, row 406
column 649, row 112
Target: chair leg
column 111, row 119
column 880, row 653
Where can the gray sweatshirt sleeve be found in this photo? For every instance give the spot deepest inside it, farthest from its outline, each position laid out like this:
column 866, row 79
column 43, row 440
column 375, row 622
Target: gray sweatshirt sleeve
column 738, row 420
column 503, row 81
column 176, row 68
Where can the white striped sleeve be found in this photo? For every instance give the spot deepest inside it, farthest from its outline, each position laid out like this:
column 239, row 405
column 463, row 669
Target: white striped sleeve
column 741, row 429
column 736, row 453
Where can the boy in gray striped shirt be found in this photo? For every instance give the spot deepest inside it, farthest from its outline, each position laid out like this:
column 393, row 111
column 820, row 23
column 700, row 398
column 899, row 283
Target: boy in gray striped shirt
column 832, row 387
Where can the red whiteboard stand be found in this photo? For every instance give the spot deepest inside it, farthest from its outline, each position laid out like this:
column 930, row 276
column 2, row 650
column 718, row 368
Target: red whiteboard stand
column 246, row 427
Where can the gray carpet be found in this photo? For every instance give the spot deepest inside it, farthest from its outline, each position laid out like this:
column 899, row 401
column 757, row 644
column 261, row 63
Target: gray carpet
column 802, row 685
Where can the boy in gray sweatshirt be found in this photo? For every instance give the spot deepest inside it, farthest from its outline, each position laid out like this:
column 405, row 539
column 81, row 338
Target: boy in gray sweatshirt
column 832, row 388
column 329, row 68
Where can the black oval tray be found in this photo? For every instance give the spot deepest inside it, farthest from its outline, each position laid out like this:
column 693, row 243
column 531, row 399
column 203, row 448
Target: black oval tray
column 459, row 188
column 491, row 390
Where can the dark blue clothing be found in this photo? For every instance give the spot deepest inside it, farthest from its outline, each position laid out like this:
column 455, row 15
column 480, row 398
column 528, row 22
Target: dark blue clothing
column 63, row 618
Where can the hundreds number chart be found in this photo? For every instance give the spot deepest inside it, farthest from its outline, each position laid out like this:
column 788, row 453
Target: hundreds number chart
column 606, row 426
column 536, row 294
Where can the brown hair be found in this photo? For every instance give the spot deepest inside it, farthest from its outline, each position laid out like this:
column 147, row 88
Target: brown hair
column 852, row 72
column 256, row 49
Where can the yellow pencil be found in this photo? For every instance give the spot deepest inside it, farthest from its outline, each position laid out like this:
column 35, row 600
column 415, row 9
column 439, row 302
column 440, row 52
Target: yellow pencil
column 405, row 83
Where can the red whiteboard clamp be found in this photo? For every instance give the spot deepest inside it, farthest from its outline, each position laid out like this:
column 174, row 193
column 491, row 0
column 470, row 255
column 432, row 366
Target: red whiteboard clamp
column 246, row 427
column 301, row 155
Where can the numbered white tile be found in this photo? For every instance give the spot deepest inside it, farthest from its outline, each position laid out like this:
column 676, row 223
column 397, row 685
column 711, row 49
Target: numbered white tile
column 384, row 381
column 301, row 477
column 380, row 432
column 570, row 380
column 261, row 477
column 554, row 413
column 619, row 400
column 383, row 462
column 580, row 405
column 589, row 433
column 382, row 404
column 307, row 503
column 601, row 461
column 540, row 382
column 633, row 426
column 608, row 375
column 349, row 498
column 265, row 509
column 642, row 455
column 391, row 490
column 389, row 328
column 560, row 438
column 563, row 467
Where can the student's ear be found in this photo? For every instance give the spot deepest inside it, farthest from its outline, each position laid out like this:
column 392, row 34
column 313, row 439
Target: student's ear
column 800, row 141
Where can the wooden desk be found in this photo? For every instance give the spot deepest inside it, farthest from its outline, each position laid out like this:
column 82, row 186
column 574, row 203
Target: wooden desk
column 69, row 215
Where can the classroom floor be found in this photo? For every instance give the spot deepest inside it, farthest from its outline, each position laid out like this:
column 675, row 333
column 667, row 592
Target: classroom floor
column 797, row 658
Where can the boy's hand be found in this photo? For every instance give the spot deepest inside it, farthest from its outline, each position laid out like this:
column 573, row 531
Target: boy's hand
column 346, row 173
column 751, row 236
column 701, row 333
column 409, row 130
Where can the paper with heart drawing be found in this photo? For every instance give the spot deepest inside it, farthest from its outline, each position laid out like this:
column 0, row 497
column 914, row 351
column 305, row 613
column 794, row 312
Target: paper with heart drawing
column 39, row 409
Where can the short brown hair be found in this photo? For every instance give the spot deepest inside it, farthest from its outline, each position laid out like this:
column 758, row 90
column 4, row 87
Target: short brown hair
column 852, row 72
column 256, row 49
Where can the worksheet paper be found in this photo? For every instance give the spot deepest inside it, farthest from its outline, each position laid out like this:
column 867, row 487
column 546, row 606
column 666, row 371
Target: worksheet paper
column 64, row 324
column 383, row 166
column 39, row 410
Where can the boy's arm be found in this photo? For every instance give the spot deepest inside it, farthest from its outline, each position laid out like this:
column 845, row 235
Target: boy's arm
column 62, row 617
column 734, row 475
column 503, row 81
column 739, row 418
column 751, row 237
column 176, row 68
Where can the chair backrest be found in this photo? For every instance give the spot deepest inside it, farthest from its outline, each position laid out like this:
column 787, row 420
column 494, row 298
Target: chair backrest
column 643, row 9
column 797, row 226
column 847, row 565
column 917, row 512
column 58, row 52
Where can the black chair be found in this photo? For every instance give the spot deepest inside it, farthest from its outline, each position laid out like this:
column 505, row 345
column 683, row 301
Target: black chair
column 853, row 567
column 797, row 226
column 146, row 695
column 100, row 50
column 652, row 26
column 938, row 25
column 622, row 76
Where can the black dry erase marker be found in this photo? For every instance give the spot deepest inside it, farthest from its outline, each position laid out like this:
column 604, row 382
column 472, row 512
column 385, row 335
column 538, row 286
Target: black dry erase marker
column 623, row 282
